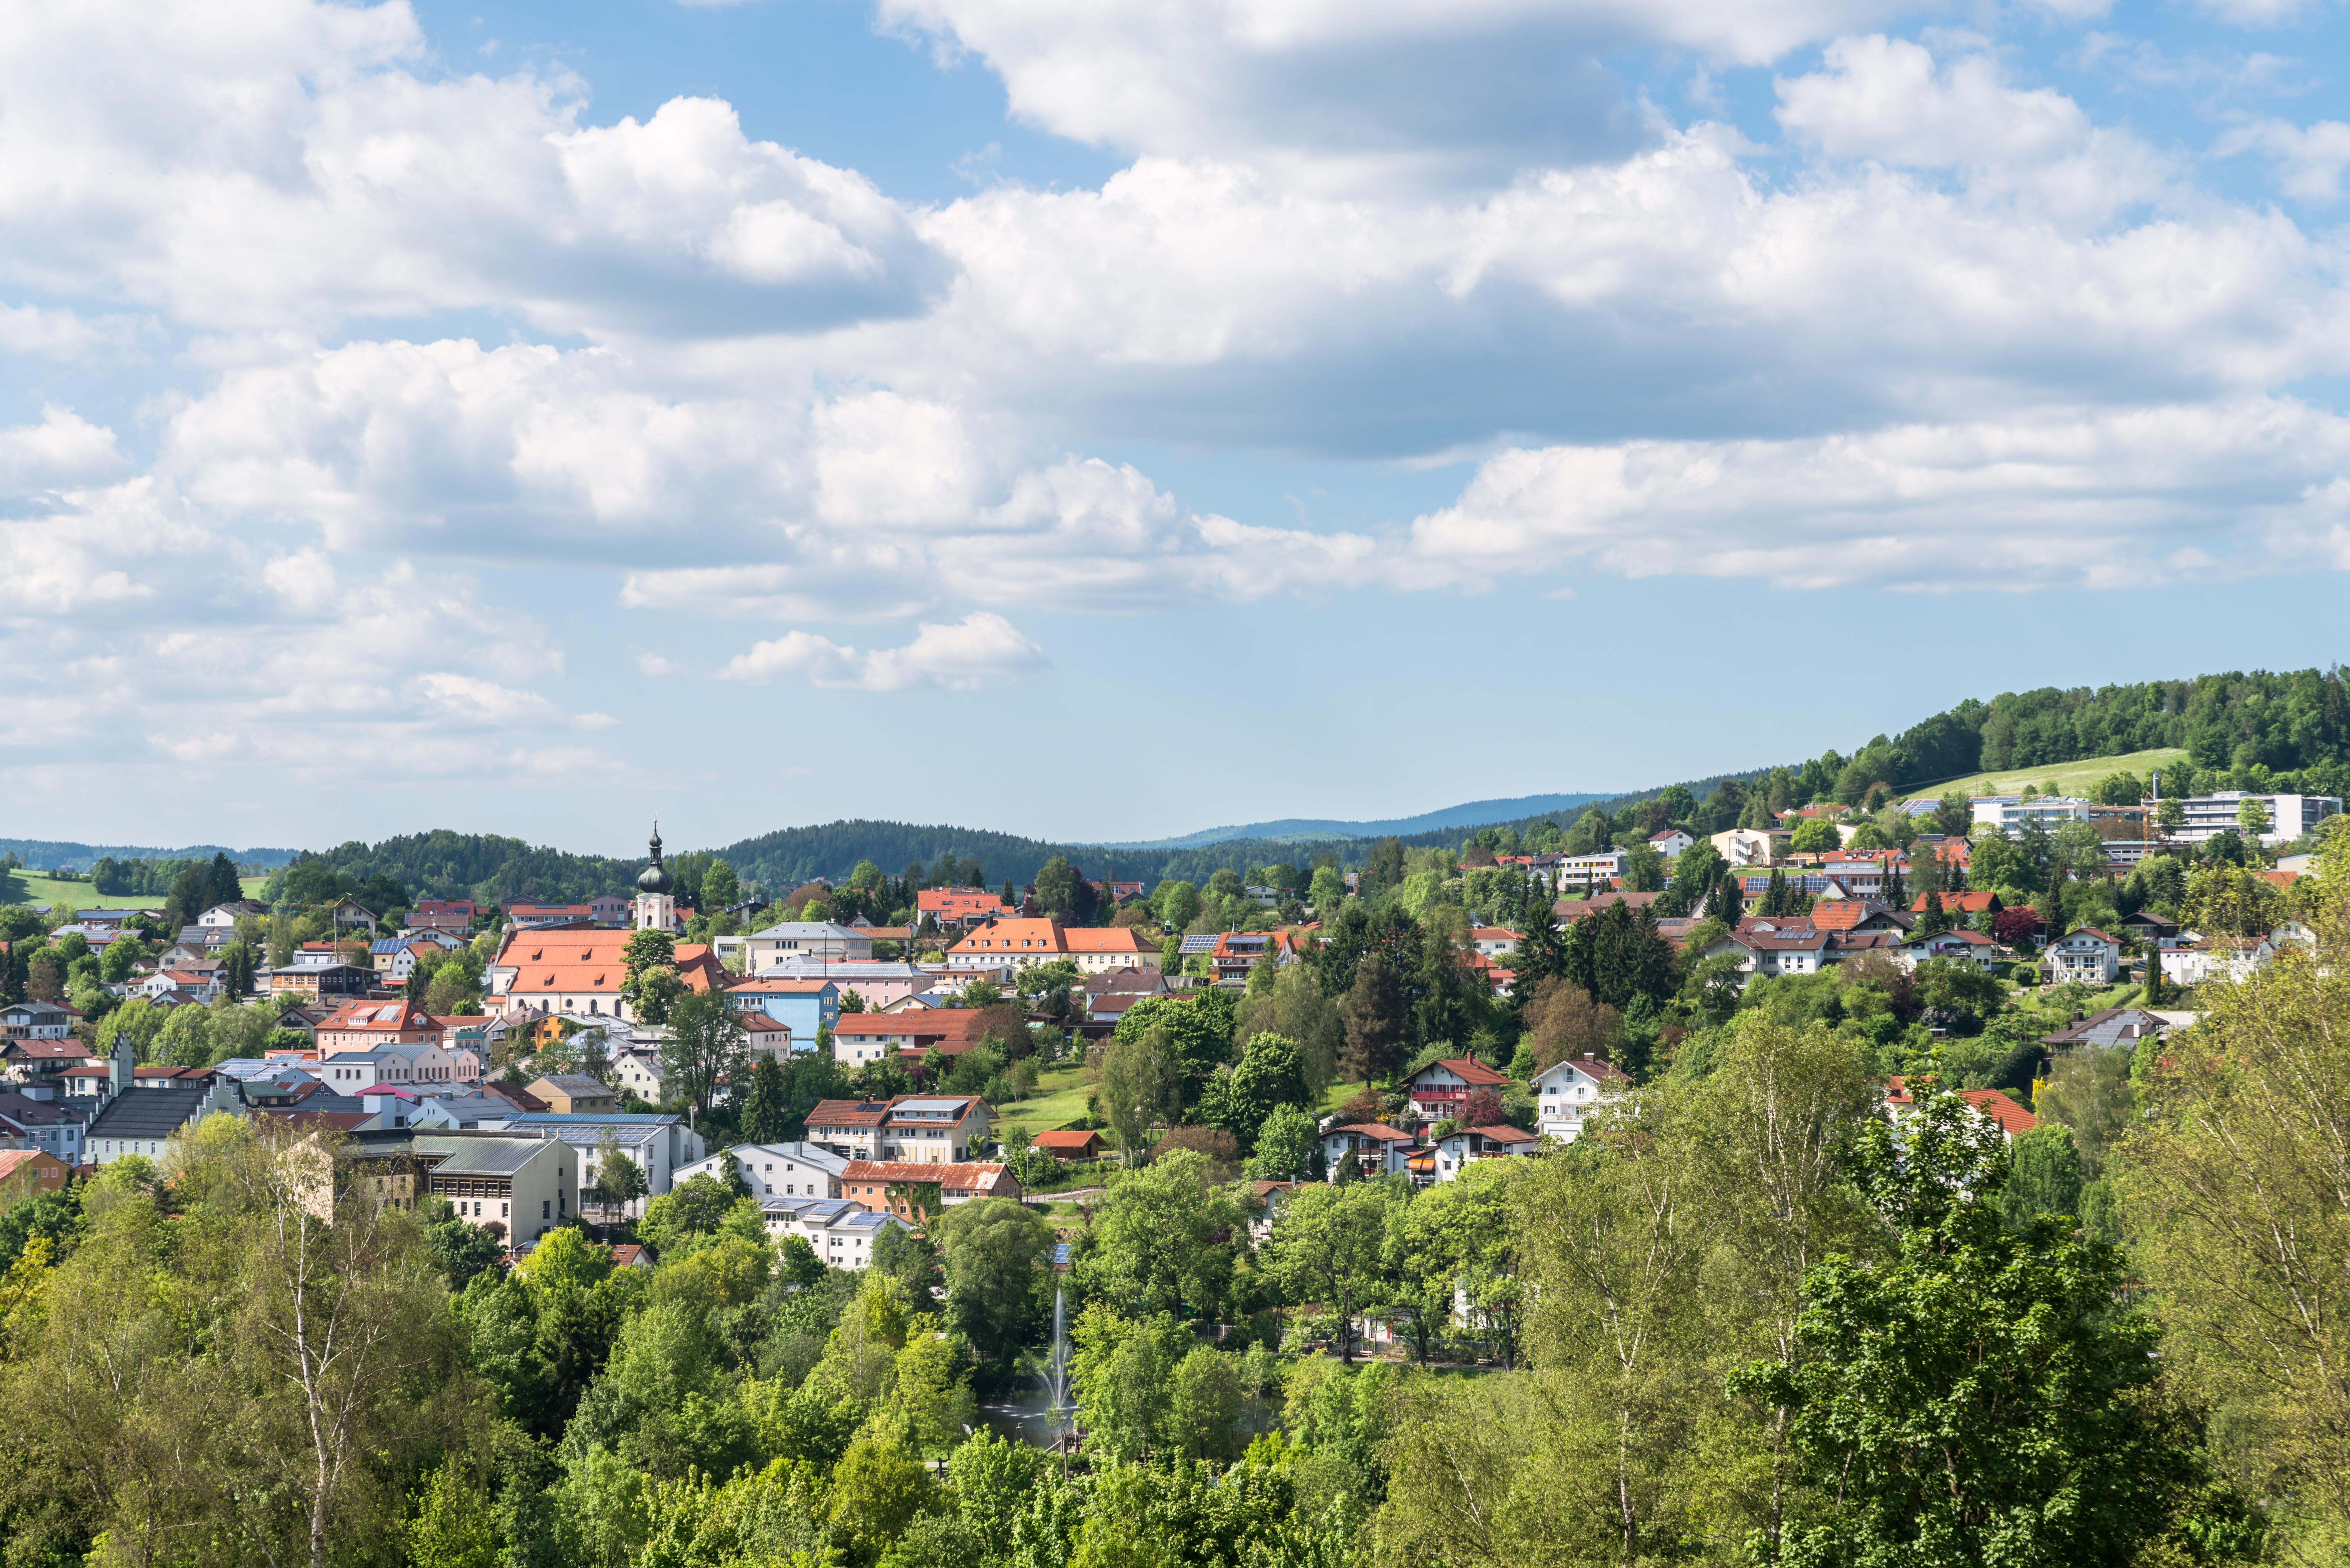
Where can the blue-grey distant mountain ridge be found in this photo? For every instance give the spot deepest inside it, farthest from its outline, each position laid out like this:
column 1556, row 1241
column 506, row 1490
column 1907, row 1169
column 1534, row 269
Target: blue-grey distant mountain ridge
column 1314, row 830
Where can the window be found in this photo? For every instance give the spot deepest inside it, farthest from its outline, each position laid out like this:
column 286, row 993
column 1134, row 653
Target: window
column 545, row 1209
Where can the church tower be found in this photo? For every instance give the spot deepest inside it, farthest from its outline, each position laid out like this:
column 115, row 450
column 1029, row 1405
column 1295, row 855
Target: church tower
column 656, row 910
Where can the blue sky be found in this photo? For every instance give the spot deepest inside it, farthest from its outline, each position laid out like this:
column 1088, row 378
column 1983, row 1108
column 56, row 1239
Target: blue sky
column 1100, row 418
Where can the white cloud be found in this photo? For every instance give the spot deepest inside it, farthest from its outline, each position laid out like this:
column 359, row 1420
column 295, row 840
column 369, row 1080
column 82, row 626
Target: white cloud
column 960, row 656
column 655, row 664
column 63, row 450
column 473, row 701
column 2309, row 159
column 1357, row 93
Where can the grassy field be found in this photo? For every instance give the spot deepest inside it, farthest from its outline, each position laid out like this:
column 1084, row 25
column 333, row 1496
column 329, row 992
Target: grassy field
column 1060, row 1099
column 27, row 887
column 2071, row 778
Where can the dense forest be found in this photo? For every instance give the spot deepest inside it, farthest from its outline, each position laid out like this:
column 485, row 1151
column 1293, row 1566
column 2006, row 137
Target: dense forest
column 2265, row 731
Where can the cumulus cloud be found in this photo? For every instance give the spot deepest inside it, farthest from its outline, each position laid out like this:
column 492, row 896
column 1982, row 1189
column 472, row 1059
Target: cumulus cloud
column 282, row 160
column 960, row 657
column 2309, row 159
column 1357, row 94
column 64, row 449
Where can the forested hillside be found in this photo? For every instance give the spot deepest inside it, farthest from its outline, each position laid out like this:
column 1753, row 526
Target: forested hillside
column 2260, row 730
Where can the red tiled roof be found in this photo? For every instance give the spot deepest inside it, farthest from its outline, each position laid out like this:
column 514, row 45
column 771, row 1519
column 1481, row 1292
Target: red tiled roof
column 1469, row 1071
column 1969, row 903
column 2013, row 1118
column 1106, row 939
column 951, row 1177
column 850, row 1113
column 1501, row 1134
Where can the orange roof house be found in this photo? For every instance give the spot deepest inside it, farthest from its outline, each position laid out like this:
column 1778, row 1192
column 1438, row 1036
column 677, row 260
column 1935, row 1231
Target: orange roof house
column 580, row 971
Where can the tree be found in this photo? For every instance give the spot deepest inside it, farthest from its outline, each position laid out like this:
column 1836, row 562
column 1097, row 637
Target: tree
column 2170, row 814
column 766, row 1117
column 1287, row 1143
column 1329, row 1249
column 222, row 886
column 2252, row 818
column 2043, row 1177
column 2233, row 1192
column 650, row 985
column 1954, row 815
column 993, row 1252
column 1971, row 1397
column 706, row 1046
column 1057, row 888
column 1815, row 836
column 619, row 1180
column 2232, row 901
column 1269, row 1074
column 721, row 888
column 1560, row 1020
column 236, row 970
column 1375, row 1019
column 1139, row 1082
column 1163, row 1240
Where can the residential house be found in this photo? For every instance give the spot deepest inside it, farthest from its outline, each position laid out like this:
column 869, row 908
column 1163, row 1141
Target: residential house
column 1103, row 949
column 1070, row 1145
column 959, row 909
column 371, row 1025
column 1237, row 952
column 1568, row 1091
column 1762, row 953
column 2014, row 1119
column 861, row 1037
column 1455, row 1149
column 839, row 1232
column 1492, row 942
column 576, row 1094
column 2150, row 929
column 1109, row 1006
column 422, row 1065
column 802, row 1007
column 1135, row 979
column 31, row 1020
column 532, row 917
column 775, row 1169
column 1570, row 910
column 2209, row 960
column 824, row 941
column 38, row 1061
column 849, row 1127
column 394, row 958
column 454, row 915
column 1440, row 1091
column 1860, row 915
column 38, row 1116
column 2107, row 1027
column 1378, row 1149
column 934, row 1129
column 763, row 1036
column 904, row 1188
column 224, row 917
column 1669, row 842
column 1959, row 904
column 2087, row 955
column 1598, row 870
column 641, row 1073
column 1958, row 944
column 1742, row 847
column 29, row 1172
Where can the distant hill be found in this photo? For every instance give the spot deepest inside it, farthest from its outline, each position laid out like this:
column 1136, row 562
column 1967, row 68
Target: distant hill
column 2295, row 724
column 45, row 854
column 1303, row 830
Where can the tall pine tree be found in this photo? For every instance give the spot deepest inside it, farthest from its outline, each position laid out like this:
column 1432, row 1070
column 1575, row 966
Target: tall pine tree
column 765, row 1116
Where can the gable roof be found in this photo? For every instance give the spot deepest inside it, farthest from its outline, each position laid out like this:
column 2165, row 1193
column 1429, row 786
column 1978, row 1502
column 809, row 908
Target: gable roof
column 2013, row 1118
column 1378, row 1131
column 1467, row 1069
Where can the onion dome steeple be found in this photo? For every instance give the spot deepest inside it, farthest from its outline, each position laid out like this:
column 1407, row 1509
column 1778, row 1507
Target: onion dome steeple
column 655, row 877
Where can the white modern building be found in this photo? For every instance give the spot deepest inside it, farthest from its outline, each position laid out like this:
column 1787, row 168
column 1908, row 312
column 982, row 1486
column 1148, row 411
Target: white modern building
column 1567, row 1092
column 775, row 1170
column 2289, row 815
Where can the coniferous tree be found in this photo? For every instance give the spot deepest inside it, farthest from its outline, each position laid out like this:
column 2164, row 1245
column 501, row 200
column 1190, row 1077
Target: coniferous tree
column 1375, row 1017
column 766, row 1117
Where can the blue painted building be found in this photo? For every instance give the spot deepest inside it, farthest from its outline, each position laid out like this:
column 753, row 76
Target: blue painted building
column 802, row 1006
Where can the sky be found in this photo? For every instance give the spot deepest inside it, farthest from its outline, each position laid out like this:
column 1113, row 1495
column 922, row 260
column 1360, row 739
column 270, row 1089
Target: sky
column 1109, row 418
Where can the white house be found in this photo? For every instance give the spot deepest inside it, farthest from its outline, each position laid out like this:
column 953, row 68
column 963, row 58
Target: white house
column 1567, row 1092
column 37, row 1020
column 1377, row 1148
column 1598, row 869
column 640, row 1073
column 820, row 940
column 1967, row 947
column 1440, row 1090
column 1670, row 842
column 1741, row 847
column 1456, row 1149
column 1774, row 952
column 1493, row 942
column 841, row 1233
column 2087, row 955
column 803, row 1170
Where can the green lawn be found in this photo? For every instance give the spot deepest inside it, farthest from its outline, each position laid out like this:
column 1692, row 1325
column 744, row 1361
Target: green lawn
column 2072, row 778
column 1059, row 1099
column 26, row 887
